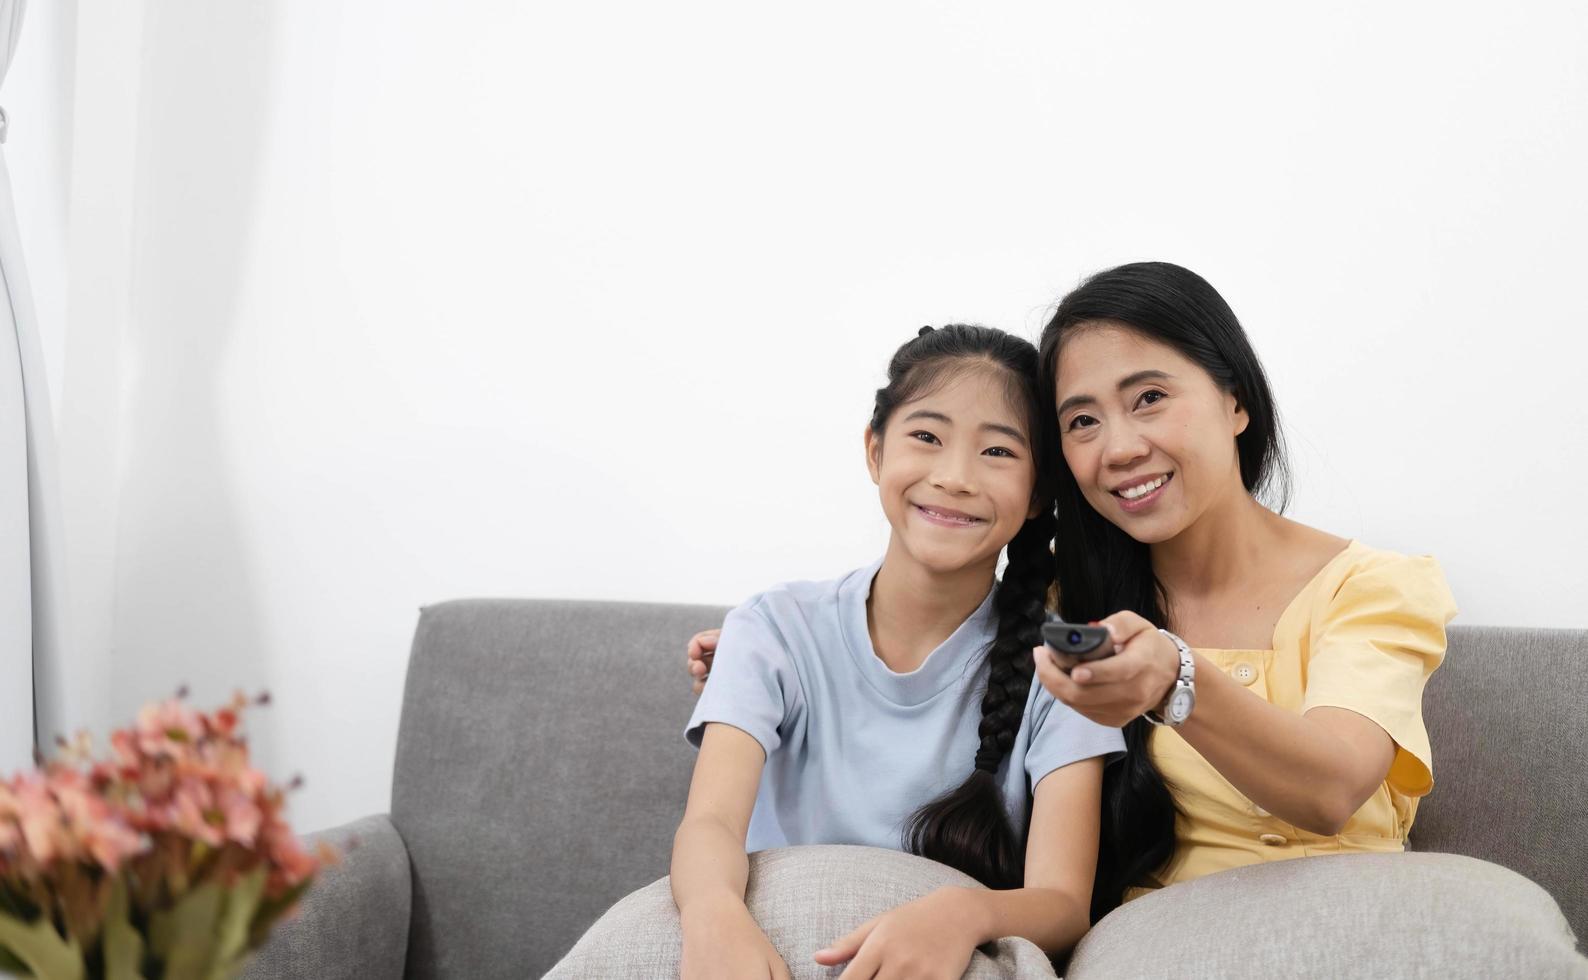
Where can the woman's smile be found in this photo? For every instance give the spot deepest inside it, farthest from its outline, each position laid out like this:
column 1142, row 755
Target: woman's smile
column 1139, row 494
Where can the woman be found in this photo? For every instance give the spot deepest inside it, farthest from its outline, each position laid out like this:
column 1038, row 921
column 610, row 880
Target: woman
column 1291, row 696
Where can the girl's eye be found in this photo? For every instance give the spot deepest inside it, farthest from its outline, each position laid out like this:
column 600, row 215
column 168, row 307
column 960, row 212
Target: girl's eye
column 1151, row 396
column 925, row 437
column 1001, row 451
column 1081, row 422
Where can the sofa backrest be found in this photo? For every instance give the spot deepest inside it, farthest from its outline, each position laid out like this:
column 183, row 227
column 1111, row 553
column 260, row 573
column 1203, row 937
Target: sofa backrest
column 541, row 771
column 1507, row 715
column 541, row 768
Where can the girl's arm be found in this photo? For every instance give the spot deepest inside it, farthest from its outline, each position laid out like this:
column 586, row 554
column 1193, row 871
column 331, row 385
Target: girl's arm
column 710, row 868
column 935, row 936
column 1313, row 770
column 1053, row 909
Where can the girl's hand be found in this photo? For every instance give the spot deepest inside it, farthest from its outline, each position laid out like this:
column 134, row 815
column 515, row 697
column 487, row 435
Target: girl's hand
column 726, row 944
column 1116, row 689
column 933, row 936
column 702, row 648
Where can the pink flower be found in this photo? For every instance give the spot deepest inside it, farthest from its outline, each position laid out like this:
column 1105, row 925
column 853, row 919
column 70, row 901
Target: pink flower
column 176, row 779
column 124, row 745
column 169, row 728
column 94, row 829
column 193, row 812
column 242, row 817
column 39, row 818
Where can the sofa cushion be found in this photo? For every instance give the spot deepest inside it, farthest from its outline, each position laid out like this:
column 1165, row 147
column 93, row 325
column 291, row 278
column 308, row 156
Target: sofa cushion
column 1353, row 915
column 803, row 898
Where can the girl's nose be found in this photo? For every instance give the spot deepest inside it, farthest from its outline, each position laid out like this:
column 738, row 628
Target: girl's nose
column 952, row 476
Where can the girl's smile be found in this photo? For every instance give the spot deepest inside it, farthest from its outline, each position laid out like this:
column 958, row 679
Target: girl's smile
column 946, row 516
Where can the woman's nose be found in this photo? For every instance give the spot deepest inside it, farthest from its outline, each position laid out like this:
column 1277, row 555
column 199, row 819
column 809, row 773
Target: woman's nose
column 1125, row 446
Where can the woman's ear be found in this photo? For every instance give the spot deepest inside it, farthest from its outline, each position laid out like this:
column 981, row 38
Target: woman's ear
column 1237, row 412
column 874, row 455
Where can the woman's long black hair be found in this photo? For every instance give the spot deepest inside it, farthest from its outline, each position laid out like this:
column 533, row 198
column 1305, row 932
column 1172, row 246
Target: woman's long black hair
column 968, row 828
column 1101, row 569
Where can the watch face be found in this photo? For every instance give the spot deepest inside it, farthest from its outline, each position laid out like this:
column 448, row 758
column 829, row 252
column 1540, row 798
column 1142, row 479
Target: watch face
column 1180, row 703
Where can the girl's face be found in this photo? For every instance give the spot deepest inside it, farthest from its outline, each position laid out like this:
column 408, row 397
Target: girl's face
column 955, row 472
column 1148, row 435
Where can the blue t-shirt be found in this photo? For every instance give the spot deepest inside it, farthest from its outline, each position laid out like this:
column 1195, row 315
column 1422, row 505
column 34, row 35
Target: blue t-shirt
column 852, row 748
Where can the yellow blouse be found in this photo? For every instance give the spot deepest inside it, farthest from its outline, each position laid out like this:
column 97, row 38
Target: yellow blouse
column 1364, row 634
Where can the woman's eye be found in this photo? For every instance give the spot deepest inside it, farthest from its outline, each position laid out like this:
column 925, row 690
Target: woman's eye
column 1081, row 422
column 925, row 437
column 1151, row 397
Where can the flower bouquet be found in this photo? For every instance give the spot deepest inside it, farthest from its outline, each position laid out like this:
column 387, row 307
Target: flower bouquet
column 169, row 860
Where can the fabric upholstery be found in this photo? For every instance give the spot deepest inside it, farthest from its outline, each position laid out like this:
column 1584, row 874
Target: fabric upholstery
column 803, row 898
column 541, row 771
column 1508, row 716
column 353, row 922
column 1441, row 916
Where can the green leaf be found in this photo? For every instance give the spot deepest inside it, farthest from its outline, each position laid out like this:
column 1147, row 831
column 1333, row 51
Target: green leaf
column 11, row 963
column 184, row 936
column 242, row 902
column 40, row 949
column 121, row 943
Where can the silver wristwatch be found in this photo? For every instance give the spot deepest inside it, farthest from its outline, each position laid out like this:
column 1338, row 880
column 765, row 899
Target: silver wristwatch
column 1176, row 708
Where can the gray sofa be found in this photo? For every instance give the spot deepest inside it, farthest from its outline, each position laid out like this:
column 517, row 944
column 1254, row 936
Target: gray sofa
column 541, row 772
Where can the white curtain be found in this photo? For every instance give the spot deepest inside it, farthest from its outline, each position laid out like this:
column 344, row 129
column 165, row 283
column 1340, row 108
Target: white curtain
column 30, row 541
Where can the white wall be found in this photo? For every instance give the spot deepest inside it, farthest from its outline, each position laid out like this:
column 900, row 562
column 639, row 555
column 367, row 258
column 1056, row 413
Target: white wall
column 589, row 299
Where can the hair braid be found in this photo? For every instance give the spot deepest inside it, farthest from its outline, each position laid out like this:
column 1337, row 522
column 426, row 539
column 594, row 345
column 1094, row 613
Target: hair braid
column 968, row 827
column 1020, row 607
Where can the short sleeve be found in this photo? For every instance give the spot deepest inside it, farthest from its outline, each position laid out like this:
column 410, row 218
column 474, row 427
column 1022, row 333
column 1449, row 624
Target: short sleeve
column 1373, row 648
column 753, row 683
column 1061, row 735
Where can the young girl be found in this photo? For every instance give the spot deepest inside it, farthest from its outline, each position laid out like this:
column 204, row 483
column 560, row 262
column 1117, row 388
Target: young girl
column 894, row 707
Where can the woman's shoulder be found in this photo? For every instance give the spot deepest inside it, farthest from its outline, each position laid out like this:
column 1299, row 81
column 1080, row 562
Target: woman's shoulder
column 1365, row 581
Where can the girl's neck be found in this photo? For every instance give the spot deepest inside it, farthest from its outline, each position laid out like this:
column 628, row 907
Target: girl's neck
column 912, row 609
column 1218, row 551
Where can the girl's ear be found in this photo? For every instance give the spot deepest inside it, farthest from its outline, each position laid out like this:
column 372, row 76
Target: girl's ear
column 1036, row 506
column 874, row 455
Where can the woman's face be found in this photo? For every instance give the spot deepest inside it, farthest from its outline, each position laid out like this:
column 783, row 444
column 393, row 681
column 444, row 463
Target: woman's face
column 1147, row 433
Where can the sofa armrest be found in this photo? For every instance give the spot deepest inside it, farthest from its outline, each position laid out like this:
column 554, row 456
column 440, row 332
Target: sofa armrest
column 353, row 922
column 1380, row 915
